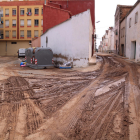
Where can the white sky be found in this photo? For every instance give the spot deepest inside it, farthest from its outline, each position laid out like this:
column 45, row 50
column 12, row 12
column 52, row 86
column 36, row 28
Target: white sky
column 104, row 12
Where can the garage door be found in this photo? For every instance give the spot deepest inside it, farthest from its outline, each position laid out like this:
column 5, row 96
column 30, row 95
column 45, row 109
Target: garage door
column 12, row 47
column 2, row 48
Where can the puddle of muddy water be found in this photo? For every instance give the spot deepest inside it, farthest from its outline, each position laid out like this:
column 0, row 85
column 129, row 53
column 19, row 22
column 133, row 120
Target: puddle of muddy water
column 107, row 88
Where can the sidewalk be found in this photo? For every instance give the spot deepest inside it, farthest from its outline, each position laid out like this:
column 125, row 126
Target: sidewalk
column 92, row 61
column 127, row 59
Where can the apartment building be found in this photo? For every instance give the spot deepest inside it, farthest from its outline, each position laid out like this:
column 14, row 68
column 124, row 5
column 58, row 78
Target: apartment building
column 20, row 21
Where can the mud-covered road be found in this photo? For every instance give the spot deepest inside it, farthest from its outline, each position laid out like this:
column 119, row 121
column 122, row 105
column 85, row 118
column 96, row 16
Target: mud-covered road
column 102, row 104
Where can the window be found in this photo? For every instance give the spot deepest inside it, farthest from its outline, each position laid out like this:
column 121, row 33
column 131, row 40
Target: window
column 6, row 23
column 129, row 22
column 28, row 22
column 36, row 22
column 7, row 34
column 13, row 12
column 21, row 12
column 14, row 23
column 21, row 34
column 13, row 42
column 29, row 33
column 136, row 17
column 35, row 33
column 29, row 12
column 14, row 34
column 6, row 12
column 41, row 32
column 36, row 11
column 123, row 32
column 41, row 22
column 42, row 11
column 22, row 22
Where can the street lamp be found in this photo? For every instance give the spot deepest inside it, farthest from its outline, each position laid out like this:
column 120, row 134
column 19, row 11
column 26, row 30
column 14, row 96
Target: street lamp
column 97, row 21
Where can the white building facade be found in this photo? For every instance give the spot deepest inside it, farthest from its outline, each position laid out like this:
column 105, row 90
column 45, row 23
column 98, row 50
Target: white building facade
column 133, row 33
column 108, row 40
column 111, row 47
column 71, row 40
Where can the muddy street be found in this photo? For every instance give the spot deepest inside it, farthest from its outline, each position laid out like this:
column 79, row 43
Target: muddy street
column 51, row 104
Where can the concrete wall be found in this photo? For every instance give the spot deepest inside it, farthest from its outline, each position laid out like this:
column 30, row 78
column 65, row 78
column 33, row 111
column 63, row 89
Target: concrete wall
column 122, row 38
column 36, row 42
column 133, row 34
column 11, row 49
column 71, row 40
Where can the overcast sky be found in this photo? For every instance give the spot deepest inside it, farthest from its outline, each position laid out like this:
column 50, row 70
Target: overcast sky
column 104, row 12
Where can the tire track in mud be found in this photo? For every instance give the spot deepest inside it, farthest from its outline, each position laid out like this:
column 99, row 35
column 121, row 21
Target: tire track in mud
column 22, row 112
column 77, row 119
column 67, row 107
column 21, row 116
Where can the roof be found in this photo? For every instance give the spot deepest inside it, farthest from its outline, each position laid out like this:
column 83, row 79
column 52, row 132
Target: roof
column 131, row 9
column 123, row 6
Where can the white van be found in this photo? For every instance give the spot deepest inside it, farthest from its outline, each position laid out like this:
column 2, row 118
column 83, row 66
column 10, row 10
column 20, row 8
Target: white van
column 21, row 52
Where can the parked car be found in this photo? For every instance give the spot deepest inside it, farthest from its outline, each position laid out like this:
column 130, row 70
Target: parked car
column 39, row 58
column 21, row 52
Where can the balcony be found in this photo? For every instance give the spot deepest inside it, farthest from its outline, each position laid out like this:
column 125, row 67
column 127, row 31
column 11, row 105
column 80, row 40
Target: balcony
column 1, row 36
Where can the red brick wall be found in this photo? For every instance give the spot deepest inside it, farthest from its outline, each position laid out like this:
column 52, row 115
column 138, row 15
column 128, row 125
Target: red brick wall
column 76, row 7
column 53, row 16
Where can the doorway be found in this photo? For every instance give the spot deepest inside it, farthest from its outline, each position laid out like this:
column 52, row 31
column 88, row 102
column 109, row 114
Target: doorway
column 122, row 49
column 116, row 47
column 133, row 50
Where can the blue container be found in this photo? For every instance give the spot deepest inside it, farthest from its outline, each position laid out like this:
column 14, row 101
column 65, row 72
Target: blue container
column 22, row 63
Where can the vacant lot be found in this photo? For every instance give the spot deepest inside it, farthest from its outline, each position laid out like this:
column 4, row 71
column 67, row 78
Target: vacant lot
column 99, row 102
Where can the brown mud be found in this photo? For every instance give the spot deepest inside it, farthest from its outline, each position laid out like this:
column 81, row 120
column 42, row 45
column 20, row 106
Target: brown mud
column 94, row 105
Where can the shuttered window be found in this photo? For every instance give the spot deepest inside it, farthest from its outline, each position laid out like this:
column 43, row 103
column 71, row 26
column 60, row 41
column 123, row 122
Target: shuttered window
column 22, row 22
column 36, row 22
column 14, row 22
column 36, row 11
column 29, row 33
column 13, row 33
column 6, row 33
column 6, row 12
column 136, row 17
column 35, row 33
column 41, row 22
column 28, row 22
column 22, row 33
column 22, row 12
column 13, row 12
column 129, row 22
column 7, row 23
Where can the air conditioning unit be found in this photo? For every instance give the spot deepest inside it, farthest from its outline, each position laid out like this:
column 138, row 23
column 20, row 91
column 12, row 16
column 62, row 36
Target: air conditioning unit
column 30, row 42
